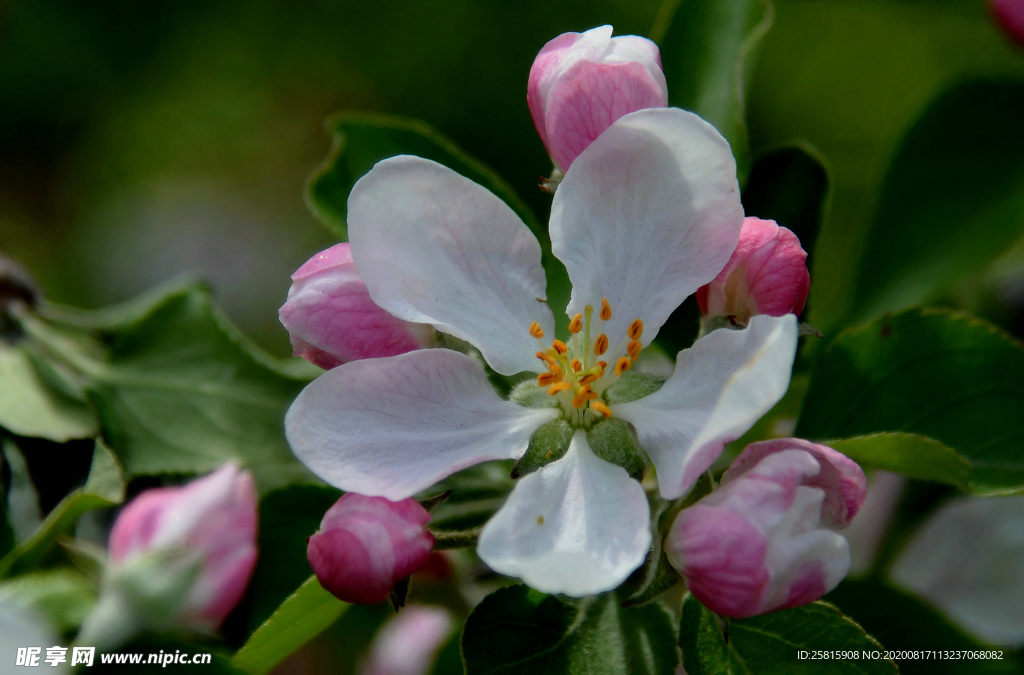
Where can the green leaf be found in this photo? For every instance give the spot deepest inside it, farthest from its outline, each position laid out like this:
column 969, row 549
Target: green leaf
column 288, row 517
column 770, row 643
column 29, row 406
column 517, row 630
column 912, row 455
column 303, row 616
column 23, row 513
column 104, row 487
column 63, row 596
column 708, row 49
column 177, row 388
column 939, row 374
column 952, row 202
column 363, row 139
column 848, row 78
column 908, row 623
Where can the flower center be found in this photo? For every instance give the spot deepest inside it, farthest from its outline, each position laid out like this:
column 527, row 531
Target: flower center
column 578, row 373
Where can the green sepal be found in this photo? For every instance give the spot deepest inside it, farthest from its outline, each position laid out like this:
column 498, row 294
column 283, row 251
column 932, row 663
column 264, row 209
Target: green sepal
column 548, row 444
column 632, row 385
column 612, row 440
column 530, row 395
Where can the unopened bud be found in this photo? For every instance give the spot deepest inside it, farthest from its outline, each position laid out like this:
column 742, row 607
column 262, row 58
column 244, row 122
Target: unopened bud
column 332, row 319
column 366, row 545
column 580, row 83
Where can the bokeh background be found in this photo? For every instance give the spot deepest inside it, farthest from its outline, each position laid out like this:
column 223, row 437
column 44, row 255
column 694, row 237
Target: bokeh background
column 139, row 141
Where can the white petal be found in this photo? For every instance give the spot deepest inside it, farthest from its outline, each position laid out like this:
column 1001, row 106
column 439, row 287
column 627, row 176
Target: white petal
column 392, row 427
column 434, row 247
column 721, row 385
column 577, row 526
column 646, row 215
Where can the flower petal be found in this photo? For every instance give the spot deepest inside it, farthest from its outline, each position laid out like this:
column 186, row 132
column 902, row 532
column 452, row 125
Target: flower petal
column 840, row 477
column 434, row 247
column 392, row 427
column 578, row 526
column 721, row 385
column 646, row 215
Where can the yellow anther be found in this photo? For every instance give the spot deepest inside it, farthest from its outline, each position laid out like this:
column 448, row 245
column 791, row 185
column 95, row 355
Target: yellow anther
column 636, row 329
column 633, row 348
column 550, row 360
column 545, row 379
column 557, row 387
column 601, row 408
column 536, row 331
column 606, row 310
column 576, row 365
column 602, row 365
column 622, row 365
column 576, row 325
column 600, row 344
column 587, row 379
column 582, row 396
column 559, row 346
column 556, row 370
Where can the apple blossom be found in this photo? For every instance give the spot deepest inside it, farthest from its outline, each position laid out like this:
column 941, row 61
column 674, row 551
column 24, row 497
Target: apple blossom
column 767, row 274
column 365, row 545
column 647, row 214
column 764, row 539
column 582, row 82
column 331, row 318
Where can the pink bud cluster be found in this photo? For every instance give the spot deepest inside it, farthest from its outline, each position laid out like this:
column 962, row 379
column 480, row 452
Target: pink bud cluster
column 767, row 538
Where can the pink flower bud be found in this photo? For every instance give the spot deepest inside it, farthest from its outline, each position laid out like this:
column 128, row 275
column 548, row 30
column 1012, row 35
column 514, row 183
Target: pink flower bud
column 760, row 541
column 580, row 83
column 214, row 516
column 1009, row 14
column 366, row 545
column 767, row 274
column 408, row 643
column 332, row 319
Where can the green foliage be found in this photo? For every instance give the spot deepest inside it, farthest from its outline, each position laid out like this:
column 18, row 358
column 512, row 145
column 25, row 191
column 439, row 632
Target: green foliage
column 104, row 487
column 935, row 373
column 288, row 517
column 953, row 199
column 769, row 644
column 63, row 596
column 708, row 50
column 848, row 78
column 517, row 630
column 912, row 455
column 304, row 615
column 31, row 406
column 176, row 387
column 360, row 140
column 908, row 623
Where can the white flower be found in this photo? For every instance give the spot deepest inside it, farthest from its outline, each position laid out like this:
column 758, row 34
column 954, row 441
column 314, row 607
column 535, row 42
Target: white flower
column 647, row 214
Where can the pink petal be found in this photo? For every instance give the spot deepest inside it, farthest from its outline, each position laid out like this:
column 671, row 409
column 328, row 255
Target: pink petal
column 331, row 318
column 1009, row 15
column 843, row 481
